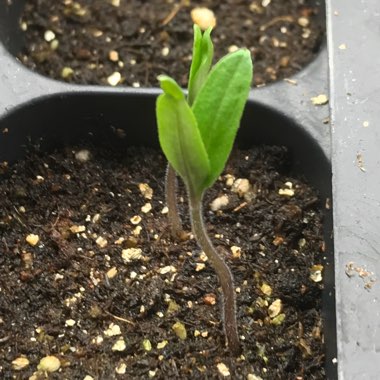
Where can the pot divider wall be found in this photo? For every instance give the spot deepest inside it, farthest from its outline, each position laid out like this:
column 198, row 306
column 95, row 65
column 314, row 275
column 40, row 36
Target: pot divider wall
column 354, row 48
column 281, row 113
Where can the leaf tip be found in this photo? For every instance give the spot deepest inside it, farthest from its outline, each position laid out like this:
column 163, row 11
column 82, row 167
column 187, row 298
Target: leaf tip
column 170, row 87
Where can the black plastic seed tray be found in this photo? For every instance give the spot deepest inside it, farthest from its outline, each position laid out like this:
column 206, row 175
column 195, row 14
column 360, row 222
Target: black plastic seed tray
column 36, row 107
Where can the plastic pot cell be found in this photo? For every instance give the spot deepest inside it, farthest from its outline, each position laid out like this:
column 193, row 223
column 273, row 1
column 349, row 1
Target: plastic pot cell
column 35, row 109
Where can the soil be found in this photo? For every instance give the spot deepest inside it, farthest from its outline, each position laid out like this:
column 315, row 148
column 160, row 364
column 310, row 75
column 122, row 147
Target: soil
column 93, row 39
column 73, row 296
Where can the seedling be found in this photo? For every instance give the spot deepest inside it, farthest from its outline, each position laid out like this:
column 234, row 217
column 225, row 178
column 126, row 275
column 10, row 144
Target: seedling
column 197, row 135
column 203, row 51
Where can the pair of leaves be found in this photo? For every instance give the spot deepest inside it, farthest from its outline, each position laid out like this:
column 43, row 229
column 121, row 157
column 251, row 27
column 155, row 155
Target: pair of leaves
column 197, row 140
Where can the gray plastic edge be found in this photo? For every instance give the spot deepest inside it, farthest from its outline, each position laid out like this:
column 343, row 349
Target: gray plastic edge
column 354, row 63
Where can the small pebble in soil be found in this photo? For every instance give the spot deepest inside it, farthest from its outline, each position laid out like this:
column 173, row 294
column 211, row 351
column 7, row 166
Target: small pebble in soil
column 199, row 267
column 241, row 186
column 219, row 203
column 113, row 330
column 278, row 320
column 49, row 364
column 162, row 344
column 20, row 363
column 66, row 72
column 135, row 219
column 165, row 51
column 146, row 191
column 180, row 330
column 233, row 48
column 203, row 257
column 253, row 377
column 209, row 299
column 286, row 192
column 167, row 269
column 316, row 273
column 121, row 369
column 119, row 241
column 70, row 322
column 303, row 21
column 32, row 239
column 230, row 179
column 146, row 208
column 119, row 345
column 266, row 289
column 77, row 229
column 236, row 252
column 131, row 254
column 114, row 79
column 98, row 340
column 111, row 273
column 49, row 36
column 101, row 242
column 223, row 370
column 275, row 308
column 136, row 232
column 147, row 345
column 82, row 155
column 113, row 56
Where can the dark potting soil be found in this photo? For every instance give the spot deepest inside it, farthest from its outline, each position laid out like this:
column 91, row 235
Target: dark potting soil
column 87, row 41
column 104, row 284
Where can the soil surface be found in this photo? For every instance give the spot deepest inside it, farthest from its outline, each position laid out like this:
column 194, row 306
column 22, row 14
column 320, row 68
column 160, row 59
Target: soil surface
column 132, row 42
column 101, row 283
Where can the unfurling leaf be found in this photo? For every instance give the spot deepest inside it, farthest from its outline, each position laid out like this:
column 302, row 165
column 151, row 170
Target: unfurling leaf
column 203, row 52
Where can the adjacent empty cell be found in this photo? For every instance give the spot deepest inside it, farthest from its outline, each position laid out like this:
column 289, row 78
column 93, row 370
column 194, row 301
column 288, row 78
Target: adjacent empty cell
column 95, row 38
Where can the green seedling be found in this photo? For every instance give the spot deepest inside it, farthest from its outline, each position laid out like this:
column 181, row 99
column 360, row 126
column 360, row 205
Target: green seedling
column 197, row 135
column 203, row 51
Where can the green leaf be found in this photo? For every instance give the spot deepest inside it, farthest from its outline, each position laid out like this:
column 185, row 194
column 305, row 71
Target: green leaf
column 170, row 87
column 203, row 52
column 179, row 136
column 219, row 105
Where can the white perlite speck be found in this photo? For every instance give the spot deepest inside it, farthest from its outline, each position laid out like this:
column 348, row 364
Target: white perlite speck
column 114, row 79
column 101, row 242
column 121, row 369
column 167, row 269
column 70, row 323
column 32, row 239
column 135, row 219
column 49, row 36
column 82, row 155
column 113, row 330
column 119, row 345
column 219, row 202
column 146, row 208
column 19, row 363
column 131, row 254
column 223, row 370
column 49, row 364
column 241, row 186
